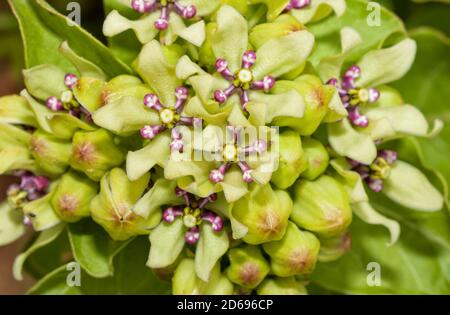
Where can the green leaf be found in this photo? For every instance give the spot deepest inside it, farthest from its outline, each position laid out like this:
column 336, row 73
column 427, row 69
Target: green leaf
column 11, row 224
column 44, row 29
column 93, row 248
column 46, row 237
column 131, row 276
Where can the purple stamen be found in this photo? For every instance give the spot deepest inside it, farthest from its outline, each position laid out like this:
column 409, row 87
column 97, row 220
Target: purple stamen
column 186, row 196
column 218, row 175
column 187, row 12
column 259, row 146
column 192, row 235
column 265, row 84
column 54, row 104
column 222, row 96
column 222, row 68
column 246, row 172
column 171, row 213
column 215, row 220
column 248, row 59
column 356, row 118
column 205, row 201
column 297, row 4
column 375, row 184
column 152, row 101
column 142, row 6
column 70, row 80
column 374, row 95
column 149, row 132
column 177, row 141
column 163, row 22
column 390, row 156
column 181, row 94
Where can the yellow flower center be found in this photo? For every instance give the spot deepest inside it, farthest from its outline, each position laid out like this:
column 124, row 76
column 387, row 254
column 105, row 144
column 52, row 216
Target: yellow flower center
column 230, row 152
column 167, row 116
column 245, row 76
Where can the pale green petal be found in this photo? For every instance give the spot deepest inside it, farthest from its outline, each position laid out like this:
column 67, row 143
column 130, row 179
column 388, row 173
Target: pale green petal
column 230, row 39
column 233, row 186
column 85, row 67
column 336, row 110
column 162, row 193
column 125, row 115
column 41, row 214
column 369, row 215
column 204, row 7
column 65, row 125
column 330, row 67
column 45, row 238
column 187, row 68
column 115, row 24
column 210, row 248
column 274, row 7
column 351, row 180
column 390, row 121
column 11, row 224
column 14, row 109
column 281, row 55
column 347, row 142
column 194, row 34
column 41, row 112
column 205, row 85
column 44, row 81
column 153, row 67
column 387, row 65
column 409, row 187
column 289, row 104
column 167, row 242
column 157, row 152
column 212, row 113
column 319, row 9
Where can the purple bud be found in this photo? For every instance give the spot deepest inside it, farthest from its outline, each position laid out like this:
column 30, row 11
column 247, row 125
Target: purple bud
column 333, row 82
column 140, row 6
column 299, row 4
column 248, row 59
column 177, row 141
column 161, row 24
column 246, row 172
column 215, row 220
column 222, row 67
column 70, row 80
column 353, row 72
column 189, row 12
column 152, row 101
column 41, row 182
column 192, row 235
column 181, row 94
column 348, row 83
column 54, row 104
column 171, row 213
column 374, row 95
column 244, row 99
column 149, row 132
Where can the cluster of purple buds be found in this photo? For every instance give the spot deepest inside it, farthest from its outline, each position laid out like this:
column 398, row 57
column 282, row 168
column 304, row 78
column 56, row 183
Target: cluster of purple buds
column 170, row 118
column 353, row 97
column 233, row 154
column 31, row 187
column 66, row 101
column 242, row 81
column 375, row 174
column 297, row 4
column 166, row 7
column 193, row 214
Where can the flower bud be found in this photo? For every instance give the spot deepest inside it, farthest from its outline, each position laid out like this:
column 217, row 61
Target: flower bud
column 247, row 266
column 316, row 97
column 95, row 153
column 322, row 206
column 333, row 248
column 317, row 158
column 295, row 254
column 292, row 161
column 281, row 286
column 50, row 153
column 185, row 281
column 72, row 197
column 112, row 208
column 264, row 212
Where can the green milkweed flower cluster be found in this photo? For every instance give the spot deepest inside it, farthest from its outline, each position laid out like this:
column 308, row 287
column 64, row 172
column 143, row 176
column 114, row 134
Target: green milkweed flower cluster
column 120, row 150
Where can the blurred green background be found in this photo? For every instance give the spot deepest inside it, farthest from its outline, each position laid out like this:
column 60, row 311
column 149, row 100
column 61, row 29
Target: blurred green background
column 416, row 14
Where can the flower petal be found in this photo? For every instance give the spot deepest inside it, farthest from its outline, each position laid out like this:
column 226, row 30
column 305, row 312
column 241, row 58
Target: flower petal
column 14, row 109
column 349, row 143
column 230, row 39
column 274, row 7
column 41, row 213
column 210, row 248
column 409, row 187
column 387, row 65
column 319, row 9
column 44, row 81
column 167, row 242
column 194, row 34
column 11, row 224
column 281, row 55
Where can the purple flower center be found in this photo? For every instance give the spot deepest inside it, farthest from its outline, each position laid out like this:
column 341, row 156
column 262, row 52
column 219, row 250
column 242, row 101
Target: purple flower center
column 169, row 117
column 232, row 153
column 375, row 174
column 165, row 7
column 193, row 214
column 242, row 80
column 354, row 97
